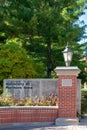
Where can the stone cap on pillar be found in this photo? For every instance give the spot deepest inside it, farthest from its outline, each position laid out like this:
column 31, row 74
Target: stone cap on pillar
column 71, row 70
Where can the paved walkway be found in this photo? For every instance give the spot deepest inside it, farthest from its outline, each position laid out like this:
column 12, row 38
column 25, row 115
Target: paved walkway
column 82, row 126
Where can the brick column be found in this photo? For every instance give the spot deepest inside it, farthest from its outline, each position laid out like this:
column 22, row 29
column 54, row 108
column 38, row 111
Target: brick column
column 67, row 94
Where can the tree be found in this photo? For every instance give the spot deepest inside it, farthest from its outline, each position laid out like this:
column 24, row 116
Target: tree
column 56, row 24
column 44, row 27
column 15, row 63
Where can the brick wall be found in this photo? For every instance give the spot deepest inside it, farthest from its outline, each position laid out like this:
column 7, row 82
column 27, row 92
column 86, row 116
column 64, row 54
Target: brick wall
column 28, row 114
column 67, row 97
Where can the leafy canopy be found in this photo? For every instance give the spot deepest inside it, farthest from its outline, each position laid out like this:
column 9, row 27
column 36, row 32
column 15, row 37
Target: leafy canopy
column 15, row 63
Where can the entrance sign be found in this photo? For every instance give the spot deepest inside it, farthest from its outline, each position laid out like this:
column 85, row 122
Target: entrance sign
column 32, row 88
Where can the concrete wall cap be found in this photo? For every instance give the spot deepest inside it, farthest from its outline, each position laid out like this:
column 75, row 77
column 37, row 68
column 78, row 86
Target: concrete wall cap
column 29, row 107
column 67, row 68
column 71, row 70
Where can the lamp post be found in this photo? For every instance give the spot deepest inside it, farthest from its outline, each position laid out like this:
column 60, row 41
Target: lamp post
column 67, row 91
column 67, row 53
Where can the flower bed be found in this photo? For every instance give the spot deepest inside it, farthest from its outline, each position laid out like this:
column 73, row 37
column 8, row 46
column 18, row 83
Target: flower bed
column 25, row 110
column 51, row 100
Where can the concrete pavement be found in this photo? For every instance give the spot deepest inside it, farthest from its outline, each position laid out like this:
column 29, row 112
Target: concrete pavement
column 82, row 126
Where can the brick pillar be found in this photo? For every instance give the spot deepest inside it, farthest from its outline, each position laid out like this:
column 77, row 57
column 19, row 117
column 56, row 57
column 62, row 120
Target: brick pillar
column 67, row 93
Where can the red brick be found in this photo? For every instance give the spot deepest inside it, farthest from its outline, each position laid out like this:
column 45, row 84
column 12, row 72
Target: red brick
column 27, row 115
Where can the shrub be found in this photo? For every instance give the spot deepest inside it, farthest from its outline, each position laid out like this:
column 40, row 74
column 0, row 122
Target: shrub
column 51, row 100
column 84, row 101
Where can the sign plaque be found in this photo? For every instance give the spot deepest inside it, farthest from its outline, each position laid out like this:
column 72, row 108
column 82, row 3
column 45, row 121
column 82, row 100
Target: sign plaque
column 66, row 82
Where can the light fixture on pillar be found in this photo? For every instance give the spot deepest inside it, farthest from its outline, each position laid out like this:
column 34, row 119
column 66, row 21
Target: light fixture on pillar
column 67, row 53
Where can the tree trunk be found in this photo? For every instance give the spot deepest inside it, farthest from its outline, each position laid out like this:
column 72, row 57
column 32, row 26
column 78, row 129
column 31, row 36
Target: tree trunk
column 49, row 58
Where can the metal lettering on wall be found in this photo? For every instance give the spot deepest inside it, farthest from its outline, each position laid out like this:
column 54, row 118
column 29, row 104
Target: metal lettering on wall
column 18, row 84
column 66, row 82
column 18, row 88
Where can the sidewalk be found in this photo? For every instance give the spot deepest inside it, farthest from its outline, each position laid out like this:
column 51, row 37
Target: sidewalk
column 82, row 126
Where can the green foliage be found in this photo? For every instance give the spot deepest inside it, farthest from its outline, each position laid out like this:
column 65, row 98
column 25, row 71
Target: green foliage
column 78, row 56
column 51, row 100
column 84, row 101
column 42, row 27
column 15, row 63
